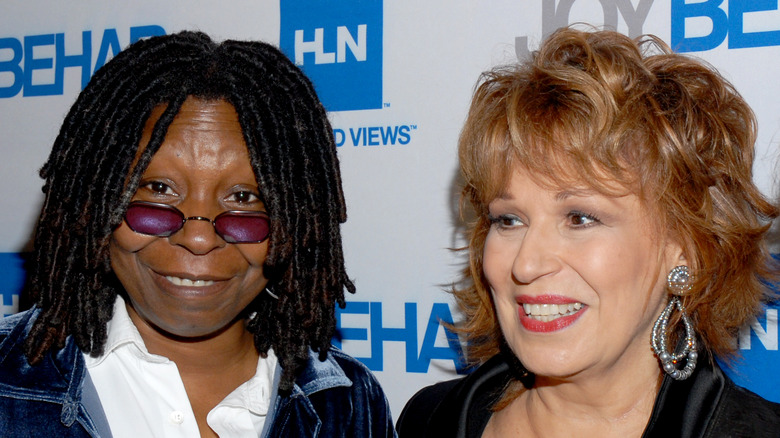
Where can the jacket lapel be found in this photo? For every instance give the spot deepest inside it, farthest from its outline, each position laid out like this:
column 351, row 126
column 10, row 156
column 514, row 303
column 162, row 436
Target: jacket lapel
column 293, row 415
column 685, row 408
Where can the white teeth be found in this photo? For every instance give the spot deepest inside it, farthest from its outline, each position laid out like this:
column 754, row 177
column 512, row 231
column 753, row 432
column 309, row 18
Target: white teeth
column 549, row 312
column 187, row 282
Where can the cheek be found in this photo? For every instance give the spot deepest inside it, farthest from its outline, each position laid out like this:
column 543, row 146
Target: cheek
column 123, row 250
column 126, row 267
column 254, row 279
column 254, row 253
column 625, row 273
column 600, row 262
column 126, row 240
column 496, row 260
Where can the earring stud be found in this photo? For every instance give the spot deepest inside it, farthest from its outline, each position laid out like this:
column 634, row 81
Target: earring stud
column 679, row 280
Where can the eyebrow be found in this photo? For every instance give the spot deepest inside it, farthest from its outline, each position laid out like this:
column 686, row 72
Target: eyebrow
column 565, row 194
column 559, row 196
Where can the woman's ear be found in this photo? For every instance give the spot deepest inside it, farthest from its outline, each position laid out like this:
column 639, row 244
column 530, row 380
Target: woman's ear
column 675, row 255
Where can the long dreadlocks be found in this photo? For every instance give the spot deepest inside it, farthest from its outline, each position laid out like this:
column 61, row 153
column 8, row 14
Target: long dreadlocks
column 90, row 180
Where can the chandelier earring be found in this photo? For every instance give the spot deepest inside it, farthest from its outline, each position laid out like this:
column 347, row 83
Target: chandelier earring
column 679, row 365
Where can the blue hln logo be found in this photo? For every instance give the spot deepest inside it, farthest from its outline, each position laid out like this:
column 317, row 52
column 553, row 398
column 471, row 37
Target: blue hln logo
column 344, row 41
column 339, row 46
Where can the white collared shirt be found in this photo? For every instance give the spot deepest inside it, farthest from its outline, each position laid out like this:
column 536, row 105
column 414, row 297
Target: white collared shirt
column 143, row 395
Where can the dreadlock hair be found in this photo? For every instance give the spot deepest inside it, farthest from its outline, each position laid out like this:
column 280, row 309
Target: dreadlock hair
column 90, row 180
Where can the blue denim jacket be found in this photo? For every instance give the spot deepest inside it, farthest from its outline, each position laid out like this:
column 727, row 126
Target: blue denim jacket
column 335, row 398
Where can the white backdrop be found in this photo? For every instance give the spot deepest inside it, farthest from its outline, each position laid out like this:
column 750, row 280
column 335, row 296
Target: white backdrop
column 401, row 189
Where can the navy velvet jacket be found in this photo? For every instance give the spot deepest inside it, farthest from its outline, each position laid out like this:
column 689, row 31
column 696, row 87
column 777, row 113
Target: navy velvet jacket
column 338, row 397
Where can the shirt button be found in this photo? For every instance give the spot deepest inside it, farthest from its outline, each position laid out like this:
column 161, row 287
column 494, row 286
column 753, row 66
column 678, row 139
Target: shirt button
column 177, row 417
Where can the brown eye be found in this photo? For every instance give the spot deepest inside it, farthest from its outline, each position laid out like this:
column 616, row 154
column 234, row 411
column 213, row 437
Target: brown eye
column 579, row 219
column 245, row 197
column 158, row 187
column 505, row 221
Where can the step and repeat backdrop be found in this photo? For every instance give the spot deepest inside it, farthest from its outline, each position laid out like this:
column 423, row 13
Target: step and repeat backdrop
column 396, row 76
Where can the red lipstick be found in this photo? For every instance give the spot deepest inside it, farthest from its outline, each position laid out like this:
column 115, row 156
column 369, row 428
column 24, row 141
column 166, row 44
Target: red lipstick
column 534, row 325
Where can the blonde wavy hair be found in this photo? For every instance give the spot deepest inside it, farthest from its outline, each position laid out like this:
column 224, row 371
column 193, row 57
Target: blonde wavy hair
column 597, row 108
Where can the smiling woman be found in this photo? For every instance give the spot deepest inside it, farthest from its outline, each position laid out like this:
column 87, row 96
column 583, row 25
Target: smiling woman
column 188, row 259
column 192, row 283
column 617, row 248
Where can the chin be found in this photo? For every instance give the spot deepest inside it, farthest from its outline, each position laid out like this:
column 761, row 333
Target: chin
column 555, row 372
column 552, row 363
column 194, row 330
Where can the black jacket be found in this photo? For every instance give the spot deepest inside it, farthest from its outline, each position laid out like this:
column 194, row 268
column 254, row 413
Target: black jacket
column 708, row 404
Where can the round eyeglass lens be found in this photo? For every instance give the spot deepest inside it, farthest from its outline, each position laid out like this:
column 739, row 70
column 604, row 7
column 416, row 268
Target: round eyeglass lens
column 238, row 228
column 153, row 220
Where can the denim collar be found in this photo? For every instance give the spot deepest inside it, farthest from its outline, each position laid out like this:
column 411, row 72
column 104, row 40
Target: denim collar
column 59, row 378
column 317, row 376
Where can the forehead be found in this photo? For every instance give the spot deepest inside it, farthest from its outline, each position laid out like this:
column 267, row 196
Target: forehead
column 561, row 177
column 202, row 134
column 197, row 120
column 198, row 114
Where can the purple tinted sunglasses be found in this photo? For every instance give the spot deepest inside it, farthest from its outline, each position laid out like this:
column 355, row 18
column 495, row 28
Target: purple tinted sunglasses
column 163, row 220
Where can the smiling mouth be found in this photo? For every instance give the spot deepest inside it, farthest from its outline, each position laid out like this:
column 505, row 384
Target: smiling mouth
column 550, row 312
column 187, row 282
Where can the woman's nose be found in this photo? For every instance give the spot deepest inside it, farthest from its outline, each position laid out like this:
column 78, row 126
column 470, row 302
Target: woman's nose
column 197, row 234
column 536, row 255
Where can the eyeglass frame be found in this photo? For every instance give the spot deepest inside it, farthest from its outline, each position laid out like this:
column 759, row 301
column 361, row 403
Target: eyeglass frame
column 198, row 218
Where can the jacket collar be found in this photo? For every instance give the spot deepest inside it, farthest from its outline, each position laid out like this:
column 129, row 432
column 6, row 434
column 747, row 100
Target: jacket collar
column 57, row 378
column 320, row 375
column 682, row 408
column 62, row 372
column 316, row 376
column 685, row 408
column 466, row 409
column 60, row 376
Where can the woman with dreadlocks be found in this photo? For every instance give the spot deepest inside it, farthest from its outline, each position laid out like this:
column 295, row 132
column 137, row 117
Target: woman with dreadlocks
column 188, row 259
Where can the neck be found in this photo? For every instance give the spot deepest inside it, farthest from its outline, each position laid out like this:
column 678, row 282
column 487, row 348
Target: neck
column 214, row 353
column 615, row 402
column 607, row 403
column 211, row 367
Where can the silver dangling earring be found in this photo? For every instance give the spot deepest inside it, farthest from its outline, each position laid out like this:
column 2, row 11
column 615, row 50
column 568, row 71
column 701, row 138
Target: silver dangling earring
column 270, row 292
column 679, row 282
